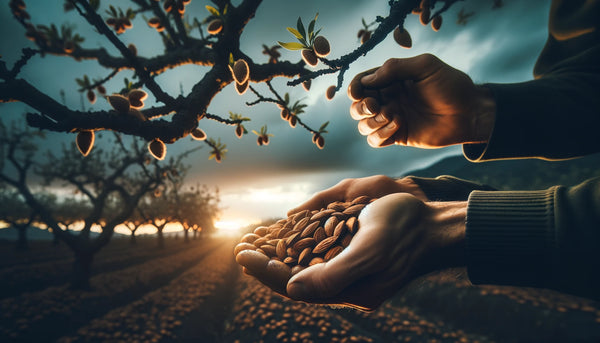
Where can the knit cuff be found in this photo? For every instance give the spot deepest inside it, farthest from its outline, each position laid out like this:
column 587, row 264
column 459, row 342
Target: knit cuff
column 510, row 237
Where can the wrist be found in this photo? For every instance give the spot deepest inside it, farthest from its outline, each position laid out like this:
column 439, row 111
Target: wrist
column 483, row 116
column 448, row 233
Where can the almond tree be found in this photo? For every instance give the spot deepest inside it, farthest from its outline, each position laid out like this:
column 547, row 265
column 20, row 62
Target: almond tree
column 196, row 209
column 123, row 175
column 210, row 39
column 17, row 214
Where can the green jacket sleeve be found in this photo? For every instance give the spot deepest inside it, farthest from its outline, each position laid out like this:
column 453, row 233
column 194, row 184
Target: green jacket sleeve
column 548, row 238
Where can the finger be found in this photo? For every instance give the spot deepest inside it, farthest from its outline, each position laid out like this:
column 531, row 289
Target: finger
column 318, row 201
column 398, row 69
column 365, row 108
column 381, row 137
column 272, row 273
column 356, row 89
column 323, row 281
column 370, row 125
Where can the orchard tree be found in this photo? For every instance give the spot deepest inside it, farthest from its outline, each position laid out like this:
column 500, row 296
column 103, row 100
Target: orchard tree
column 196, row 209
column 105, row 178
column 15, row 212
column 210, row 39
column 133, row 224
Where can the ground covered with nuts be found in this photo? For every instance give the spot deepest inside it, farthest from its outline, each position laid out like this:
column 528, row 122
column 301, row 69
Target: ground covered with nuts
column 195, row 292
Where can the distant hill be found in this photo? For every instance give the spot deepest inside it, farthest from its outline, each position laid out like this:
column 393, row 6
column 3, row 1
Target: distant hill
column 523, row 174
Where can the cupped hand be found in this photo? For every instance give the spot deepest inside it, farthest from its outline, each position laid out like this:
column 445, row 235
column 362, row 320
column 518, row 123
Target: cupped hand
column 372, row 186
column 420, row 102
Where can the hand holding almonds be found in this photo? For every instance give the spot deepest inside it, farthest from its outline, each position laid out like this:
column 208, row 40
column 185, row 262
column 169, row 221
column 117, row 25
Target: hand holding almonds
column 275, row 253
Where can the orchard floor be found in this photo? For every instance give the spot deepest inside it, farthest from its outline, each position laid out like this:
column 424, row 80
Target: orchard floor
column 195, row 292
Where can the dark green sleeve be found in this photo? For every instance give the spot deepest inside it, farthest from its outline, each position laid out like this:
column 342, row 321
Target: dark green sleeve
column 548, row 238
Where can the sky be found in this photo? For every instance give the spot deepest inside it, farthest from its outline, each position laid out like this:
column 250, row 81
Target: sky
column 497, row 46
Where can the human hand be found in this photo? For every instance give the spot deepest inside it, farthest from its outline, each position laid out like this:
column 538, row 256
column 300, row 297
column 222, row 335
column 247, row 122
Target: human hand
column 372, row 186
column 420, row 102
column 399, row 238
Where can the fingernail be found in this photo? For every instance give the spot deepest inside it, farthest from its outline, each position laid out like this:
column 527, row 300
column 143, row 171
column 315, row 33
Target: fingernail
column 366, row 109
column 380, row 118
column 368, row 78
column 297, row 290
column 391, row 126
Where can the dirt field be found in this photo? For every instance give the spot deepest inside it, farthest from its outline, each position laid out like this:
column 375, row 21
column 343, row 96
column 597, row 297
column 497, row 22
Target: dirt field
column 195, row 292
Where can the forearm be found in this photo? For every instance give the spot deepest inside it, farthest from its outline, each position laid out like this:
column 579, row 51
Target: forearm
column 548, row 238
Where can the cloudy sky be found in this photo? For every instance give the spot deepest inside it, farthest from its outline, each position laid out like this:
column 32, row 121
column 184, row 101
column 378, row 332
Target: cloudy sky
column 498, row 45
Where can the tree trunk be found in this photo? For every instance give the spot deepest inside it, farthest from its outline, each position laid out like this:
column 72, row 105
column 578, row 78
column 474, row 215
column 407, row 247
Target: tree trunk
column 195, row 234
column 161, row 238
column 133, row 239
column 22, row 240
column 186, row 237
column 82, row 267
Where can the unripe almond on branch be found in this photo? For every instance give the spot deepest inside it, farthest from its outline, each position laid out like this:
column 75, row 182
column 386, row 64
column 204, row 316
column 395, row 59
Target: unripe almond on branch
column 436, row 23
column 309, row 57
column 241, row 88
column 91, row 96
column 101, row 89
column 321, row 46
column 127, row 23
column 330, row 92
column 158, row 149
column 402, row 37
column 198, row 134
column 137, row 114
column 240, row 71
column 424, row 16
column 365, row 37
column 154, row 22
column 306, row 85
column 259, row 141
column 85, row 141
column 69, row 47
column 239, row 131
column 119, row 103
column 285, row 114
column 293, row 121
column 215, row 26
column 136, row 98
column 320, row 141
column 265, row 140
column 132, row 48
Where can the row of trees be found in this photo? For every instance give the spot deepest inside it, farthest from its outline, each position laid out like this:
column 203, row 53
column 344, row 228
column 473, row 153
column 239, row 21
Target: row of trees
column 103, row 190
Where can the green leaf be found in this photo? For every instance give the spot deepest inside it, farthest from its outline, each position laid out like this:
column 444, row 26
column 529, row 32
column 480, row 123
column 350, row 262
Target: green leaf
column 212, row 10
column 225, row 9
column 295, row 32
column 231, row 61
column 322, row 128
column 301, row 27
column 364, row 23
column 292, row 45
column 311, row 25
column 286, row 98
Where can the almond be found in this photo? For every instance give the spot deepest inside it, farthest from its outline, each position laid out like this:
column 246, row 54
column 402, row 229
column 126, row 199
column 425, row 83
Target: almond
column 330, row 225
column 261, row 230
column 285, row 114
column 436, row 23
column 321, row 46
column 354, row 209
column 91, row 96
column 309, row 231
column 402, row 37
column 240, row 71
column 215, row 26
column 293, row 121
column 249, row 238
column 315, row 260
column 239, row 131
column 304, row 243
column 352, row 224
column 363, row 199
column 320, row 234
column 333, row 252
column 136, row 98
column 346, row 240
column 280, row 249
column 289, row 260
column 119, row 103
column 306, row 85
column 243, row 246
column 198, row 134
column 365, row 37
column 259, row 141
column 324, row 245
column 85, row 141
column 310, row 57
column 154, row 22
column 301, row 224
column 305, row 256
column 158, row 149
column 322, row 214
column 269, row 250
column 260, row 241
column 242, row 88
column 340, row 229
column 330, row 92
column 424, row 16
column 320, row 142
column 336, row 206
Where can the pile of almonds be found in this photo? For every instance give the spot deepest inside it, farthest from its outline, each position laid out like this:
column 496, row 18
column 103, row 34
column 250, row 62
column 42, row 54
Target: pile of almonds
column 307, row 237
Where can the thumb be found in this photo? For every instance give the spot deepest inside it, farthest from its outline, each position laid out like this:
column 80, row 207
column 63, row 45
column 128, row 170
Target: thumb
column 398, row 69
